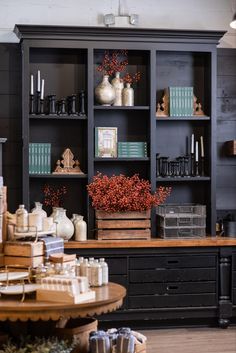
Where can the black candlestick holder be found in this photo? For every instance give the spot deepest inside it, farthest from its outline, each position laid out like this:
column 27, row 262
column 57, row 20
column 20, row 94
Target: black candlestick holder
column 82, row 103
column 192, row 165
column 186, row 167
column 52, row 104
column 31, row 107
column 38, row 103
column 202, row 166
column 41, row 106
column 197, row 169
column 72, row 105
column 62, row 107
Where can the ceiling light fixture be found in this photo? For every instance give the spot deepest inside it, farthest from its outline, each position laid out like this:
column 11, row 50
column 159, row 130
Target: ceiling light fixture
column 233, row 23
column 109, row 19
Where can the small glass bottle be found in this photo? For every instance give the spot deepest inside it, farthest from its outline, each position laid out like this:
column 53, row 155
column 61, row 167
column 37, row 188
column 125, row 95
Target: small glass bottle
column 80, row 228
column 104, row 271
column 84, row 268
column 21, row 219
column 96, row 274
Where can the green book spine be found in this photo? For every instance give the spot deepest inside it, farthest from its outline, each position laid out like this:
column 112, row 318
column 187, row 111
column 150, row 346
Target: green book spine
column 191, row 100
column 48, row 158
column 173, row 101
column 178, row 101
column 182, row 102
column 35, row 158
column 185, row 101
column 41, row 161
column 30, row 158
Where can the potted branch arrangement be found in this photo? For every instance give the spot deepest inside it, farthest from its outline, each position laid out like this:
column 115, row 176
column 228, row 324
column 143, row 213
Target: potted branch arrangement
column 123, row 205
column 115, row 64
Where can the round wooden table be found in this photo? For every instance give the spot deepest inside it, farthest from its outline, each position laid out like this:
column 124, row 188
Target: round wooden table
column 108, row 298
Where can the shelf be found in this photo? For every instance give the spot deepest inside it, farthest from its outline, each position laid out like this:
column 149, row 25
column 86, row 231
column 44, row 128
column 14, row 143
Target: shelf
column 58, row 117
column 178, row 118
column 111, row 107
column 144, row 159
column 179, row 179
column 152, row 243
column 59, row 176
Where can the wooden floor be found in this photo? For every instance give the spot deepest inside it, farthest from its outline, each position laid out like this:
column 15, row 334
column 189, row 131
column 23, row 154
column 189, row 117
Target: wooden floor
column 191, row 340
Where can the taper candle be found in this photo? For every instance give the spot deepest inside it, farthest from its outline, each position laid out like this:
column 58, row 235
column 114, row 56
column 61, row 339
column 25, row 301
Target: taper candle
column 192, row 143
column 31, row 84
column 38, row 81
column 202, row 146
column 42, row 89
column 196, row 152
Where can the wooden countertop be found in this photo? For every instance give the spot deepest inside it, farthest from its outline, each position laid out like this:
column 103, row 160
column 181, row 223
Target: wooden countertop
column 153, row 243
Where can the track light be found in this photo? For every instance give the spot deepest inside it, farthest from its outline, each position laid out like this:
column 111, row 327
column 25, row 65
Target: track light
column 233, row 23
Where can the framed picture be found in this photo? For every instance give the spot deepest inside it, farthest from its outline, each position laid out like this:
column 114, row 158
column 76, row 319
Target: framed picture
column 106, row 142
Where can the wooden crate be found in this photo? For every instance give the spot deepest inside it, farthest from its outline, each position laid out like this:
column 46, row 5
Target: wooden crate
column 33, row 261
column 23, row 248
column 123, row 225
column 231, row 148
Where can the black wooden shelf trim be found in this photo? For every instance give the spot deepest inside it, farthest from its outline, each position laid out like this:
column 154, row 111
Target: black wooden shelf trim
column 59, row 176
column 58, row 117
column 112, row 107
column 144, row 159
column 167, row 179
column 181, row 118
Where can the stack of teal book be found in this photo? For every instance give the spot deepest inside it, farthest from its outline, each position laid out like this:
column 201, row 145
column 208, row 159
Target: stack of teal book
column 181, row 101
column 39, row 158
column 132, row 149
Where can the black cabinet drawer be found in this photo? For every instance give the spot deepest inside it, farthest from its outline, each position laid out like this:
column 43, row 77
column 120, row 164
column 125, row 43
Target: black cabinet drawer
column 172, row 275
column 171, row 301
column 172, row 288
column 150, row 262
column 234, row 279
column 117, row 265
column 234, row 296
column 234, row 262
column 123, row 281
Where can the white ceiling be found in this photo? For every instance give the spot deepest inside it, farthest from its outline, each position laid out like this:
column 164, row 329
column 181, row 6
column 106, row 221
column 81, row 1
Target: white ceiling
column 174, row 14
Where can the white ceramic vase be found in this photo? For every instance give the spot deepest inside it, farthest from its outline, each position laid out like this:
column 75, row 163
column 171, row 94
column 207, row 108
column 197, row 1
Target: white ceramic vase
column 118, row 86
column 80, row 229
column 64, row 226
column 128, row 95
column 104, row 92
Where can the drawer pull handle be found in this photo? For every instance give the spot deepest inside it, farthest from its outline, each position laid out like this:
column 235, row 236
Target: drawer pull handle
column 171, row 287
column 172, row 261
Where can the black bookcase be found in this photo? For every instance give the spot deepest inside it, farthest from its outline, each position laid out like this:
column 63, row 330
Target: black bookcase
column 68, row 57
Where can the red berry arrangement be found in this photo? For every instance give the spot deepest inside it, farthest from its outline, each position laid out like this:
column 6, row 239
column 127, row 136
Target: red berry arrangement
column 120, row 193
column 113, row 62
column 53, row 197
column 128, row 78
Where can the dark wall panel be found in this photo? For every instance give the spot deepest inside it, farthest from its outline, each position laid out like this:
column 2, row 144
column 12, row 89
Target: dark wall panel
column 10, row 120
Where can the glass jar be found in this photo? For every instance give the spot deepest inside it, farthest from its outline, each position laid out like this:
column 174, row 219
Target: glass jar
column 21, row 219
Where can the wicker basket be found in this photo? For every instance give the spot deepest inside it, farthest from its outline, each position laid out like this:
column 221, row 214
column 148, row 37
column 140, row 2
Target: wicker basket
column 78, row 330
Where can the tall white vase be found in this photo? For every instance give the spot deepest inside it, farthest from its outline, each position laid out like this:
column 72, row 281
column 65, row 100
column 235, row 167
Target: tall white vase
column 104, row 92
column 64, row 226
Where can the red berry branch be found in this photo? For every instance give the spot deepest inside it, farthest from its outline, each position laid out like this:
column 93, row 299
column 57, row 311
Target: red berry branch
column 120, row 193
column 113, row 62
column 128, row 78
column 53, row 197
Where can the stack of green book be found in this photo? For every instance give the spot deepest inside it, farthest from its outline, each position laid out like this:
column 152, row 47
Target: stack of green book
column 181, row 101
column 39, row 158
column 132, row 149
